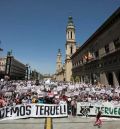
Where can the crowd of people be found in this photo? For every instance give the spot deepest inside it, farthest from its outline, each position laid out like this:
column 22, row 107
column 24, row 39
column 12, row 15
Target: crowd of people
column 25, row 92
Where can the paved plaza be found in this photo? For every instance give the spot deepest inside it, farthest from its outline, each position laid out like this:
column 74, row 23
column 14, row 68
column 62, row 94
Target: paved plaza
column 59, row 123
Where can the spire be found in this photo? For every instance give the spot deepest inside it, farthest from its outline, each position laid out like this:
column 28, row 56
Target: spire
column 70, row 21
column 59, row 52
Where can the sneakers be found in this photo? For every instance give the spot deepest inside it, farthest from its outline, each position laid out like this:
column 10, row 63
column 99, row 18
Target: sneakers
column 97, row 125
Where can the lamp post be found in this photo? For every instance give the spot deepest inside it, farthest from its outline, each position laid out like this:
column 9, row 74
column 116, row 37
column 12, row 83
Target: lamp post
column 27, row 71
column 1, row 48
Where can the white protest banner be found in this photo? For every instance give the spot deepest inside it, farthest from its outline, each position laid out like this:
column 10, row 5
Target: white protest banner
column 77, row 86
column 50, row 94
column 107, row 108
column 41, row 94
column 55, row 92
column 33, row 110
column 24, row 89
column 59, row 88
column 42, row 87
column 71, row 87
column 76, row 93
column 64, row 86
column 2, row 80
column 57, row 97
column 28, row 85
column 67, row 94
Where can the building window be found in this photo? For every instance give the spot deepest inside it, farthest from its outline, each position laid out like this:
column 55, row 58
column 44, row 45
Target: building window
column 115, row 60
column 110, row 61
column 107, row 48
column 105, row 63
column 71, row 50
column 71, row 34
column 117, row 43
column 96, row 54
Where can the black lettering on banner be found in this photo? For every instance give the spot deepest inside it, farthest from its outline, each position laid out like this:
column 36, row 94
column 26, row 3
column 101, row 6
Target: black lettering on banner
column 22, row 110
column 57, row 110
column 37, row 106
column 2, row 113
column 41, row 110
column 7, row 111
column 28, row 109
column 64, row 108
column 52, row 110
column 61, row 110
column 46, row 110
column 14, row 110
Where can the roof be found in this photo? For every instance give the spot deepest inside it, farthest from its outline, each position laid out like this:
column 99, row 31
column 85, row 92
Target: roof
column 99, row 30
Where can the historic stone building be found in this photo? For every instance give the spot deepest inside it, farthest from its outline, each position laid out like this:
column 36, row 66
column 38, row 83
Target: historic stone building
column 14, row 68
column 98, row 59
column 11, row 68
column 2, row 67
column 64, row 72
column 60, row 69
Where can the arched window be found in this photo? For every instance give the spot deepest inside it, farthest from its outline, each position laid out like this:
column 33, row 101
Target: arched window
column 71, row 34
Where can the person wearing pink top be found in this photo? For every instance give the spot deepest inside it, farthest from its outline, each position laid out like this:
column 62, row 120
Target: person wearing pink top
column 98, row 121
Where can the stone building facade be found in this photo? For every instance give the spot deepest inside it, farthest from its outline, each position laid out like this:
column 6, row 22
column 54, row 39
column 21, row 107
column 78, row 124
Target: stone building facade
column 98, row 59
column 64, row 72
column 60, row 70
column 2, row 67
column 14, row 69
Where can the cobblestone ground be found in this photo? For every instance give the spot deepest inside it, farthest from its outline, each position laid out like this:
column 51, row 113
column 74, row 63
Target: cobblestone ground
column 59, row 123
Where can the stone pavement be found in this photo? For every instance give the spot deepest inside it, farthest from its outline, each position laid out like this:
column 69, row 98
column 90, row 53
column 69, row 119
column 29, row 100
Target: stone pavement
column 59, row 123
column 30, row 123
column 84, row 123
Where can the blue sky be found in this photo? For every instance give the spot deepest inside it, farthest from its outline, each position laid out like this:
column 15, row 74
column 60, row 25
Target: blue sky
column 35, row 29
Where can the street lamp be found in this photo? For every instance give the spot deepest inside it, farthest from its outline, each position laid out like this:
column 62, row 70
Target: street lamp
column 26, row 74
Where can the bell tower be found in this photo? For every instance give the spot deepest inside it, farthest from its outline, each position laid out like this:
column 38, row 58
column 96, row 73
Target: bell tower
column 70, row 47
column 59, row 61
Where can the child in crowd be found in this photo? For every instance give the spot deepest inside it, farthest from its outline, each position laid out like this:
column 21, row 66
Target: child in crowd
column 98, row 121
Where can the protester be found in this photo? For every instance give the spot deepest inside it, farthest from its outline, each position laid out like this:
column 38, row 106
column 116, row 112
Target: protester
column 98, row 121
column 73, row 107
column 25, row 92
